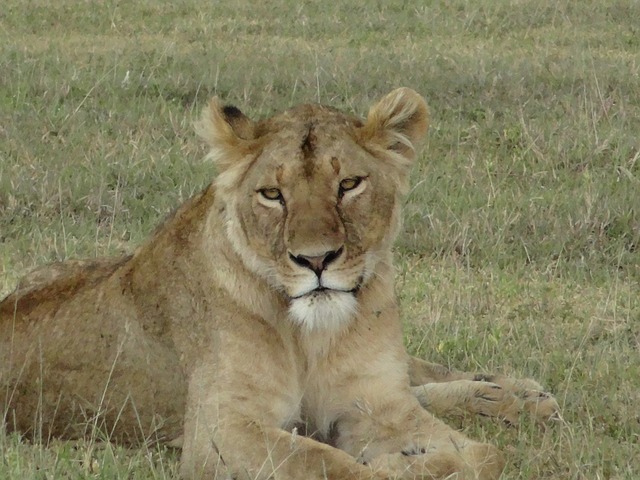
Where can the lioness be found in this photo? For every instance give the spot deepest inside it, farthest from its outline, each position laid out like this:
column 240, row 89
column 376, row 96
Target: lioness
column 258, row 325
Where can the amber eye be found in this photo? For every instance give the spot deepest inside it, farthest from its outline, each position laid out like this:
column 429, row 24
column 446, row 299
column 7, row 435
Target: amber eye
column 349, row 184
column 271, row 193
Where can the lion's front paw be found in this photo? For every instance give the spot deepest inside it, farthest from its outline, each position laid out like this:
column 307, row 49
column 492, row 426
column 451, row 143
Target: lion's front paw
column 468, row 461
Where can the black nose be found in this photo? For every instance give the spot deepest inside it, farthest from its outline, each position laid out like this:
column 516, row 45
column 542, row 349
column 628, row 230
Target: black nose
column 317, row 263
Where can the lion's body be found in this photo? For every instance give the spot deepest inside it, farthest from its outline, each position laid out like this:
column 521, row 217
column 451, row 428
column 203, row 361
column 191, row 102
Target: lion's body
column 262, row 305
column 98, row 337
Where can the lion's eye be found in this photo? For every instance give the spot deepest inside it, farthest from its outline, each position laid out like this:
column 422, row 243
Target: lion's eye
column 271, row 193
column 349, row 184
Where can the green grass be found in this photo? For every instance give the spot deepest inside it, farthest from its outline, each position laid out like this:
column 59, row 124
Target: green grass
column 521, row 246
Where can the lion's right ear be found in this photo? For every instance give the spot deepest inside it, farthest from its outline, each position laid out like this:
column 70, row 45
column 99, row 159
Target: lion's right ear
column 397, row 123
column 227, row 130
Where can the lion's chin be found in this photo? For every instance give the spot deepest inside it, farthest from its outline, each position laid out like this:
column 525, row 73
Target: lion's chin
column 326, row 310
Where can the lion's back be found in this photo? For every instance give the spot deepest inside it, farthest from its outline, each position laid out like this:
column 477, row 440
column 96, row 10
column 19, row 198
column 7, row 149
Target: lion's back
column 48, row 287
column 65, row 333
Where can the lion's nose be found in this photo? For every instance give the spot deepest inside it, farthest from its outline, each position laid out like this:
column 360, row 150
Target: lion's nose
column 317, row 263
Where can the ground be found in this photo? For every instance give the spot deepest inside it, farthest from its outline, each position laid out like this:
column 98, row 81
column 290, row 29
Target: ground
column 521, row 244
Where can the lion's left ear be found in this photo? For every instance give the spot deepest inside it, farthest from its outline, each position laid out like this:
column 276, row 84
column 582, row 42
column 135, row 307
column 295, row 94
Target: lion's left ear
column 228, row 131
column 398, row 122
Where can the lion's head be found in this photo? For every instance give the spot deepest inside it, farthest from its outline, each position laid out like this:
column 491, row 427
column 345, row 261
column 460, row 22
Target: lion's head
column 312, row 196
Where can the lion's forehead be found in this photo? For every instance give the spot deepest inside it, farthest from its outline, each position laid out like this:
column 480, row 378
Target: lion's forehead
column 309, row 113
column 317, row 153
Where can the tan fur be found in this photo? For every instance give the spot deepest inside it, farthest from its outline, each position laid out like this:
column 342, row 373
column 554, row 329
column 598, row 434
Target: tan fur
column 446, row 392
column 214, row 332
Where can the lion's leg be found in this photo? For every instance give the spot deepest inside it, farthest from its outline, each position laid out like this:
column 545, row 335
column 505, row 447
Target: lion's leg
column 236, row 436
column 449, row 392
column 257, row 452
column 460, row 397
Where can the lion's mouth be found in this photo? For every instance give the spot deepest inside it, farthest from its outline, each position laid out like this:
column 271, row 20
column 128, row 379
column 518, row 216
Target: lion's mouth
column 321, row 291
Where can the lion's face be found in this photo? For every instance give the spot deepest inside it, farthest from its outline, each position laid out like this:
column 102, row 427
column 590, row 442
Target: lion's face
column 313, row 198
column 315, row 210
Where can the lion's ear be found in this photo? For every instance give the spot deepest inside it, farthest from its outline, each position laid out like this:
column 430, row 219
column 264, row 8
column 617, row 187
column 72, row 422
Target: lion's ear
column 398, row 122
column 227, row 130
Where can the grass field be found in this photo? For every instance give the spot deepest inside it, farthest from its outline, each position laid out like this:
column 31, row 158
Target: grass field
column 521, row 244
